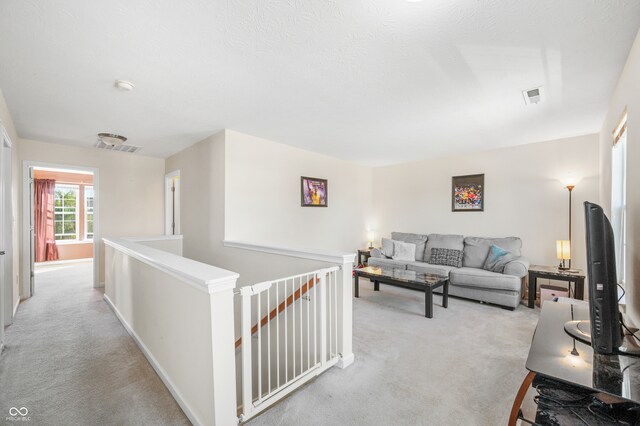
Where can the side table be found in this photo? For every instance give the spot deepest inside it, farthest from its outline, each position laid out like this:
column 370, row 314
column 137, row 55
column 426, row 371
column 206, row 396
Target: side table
column 576, row 277
column 364, row 253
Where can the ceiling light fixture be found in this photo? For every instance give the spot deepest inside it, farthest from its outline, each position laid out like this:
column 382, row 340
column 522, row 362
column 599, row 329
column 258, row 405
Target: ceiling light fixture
column 127, row 86
column 111, row 139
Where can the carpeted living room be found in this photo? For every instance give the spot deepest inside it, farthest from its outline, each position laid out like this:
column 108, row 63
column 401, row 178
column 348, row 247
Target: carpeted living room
column 375, row 212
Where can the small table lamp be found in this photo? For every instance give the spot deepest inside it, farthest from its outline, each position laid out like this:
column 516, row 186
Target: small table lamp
column 371, row 234
column 563, row 252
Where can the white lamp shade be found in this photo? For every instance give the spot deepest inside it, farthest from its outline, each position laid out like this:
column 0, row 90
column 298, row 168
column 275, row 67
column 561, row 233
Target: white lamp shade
column 563, row 249
column 371, row 234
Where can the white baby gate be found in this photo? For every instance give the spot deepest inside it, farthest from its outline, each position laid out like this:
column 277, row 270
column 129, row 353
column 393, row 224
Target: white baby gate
column 289, row 335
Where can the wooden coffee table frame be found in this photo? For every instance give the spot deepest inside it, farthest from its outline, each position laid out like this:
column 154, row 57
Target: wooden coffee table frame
column 427, row 288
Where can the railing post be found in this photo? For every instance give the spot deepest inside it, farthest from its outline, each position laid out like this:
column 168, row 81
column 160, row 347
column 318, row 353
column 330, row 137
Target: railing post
column 247, row 374
column 345, row 312
column 322, row 286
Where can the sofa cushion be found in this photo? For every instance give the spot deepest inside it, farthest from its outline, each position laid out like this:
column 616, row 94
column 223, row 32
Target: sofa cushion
column 417, row 239
column 479, row 278
column 404, row 251
column 376, row 252
column 443, row 256
column 387, row 247
column 497, row 259
column 455, row 242
column 427, row 268
column 518, row 267
column 476, row 249
column 387, row 263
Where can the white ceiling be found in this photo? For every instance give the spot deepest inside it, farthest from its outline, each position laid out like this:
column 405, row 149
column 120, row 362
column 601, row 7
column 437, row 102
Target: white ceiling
column 376, row 81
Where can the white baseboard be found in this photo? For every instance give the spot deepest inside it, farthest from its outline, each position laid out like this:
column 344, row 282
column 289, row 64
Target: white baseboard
column 163, row 375
column 346, row 361
column 15, row 308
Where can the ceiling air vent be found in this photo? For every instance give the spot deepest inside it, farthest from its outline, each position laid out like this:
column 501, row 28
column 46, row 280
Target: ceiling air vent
column 533, row 96
column 122, row 148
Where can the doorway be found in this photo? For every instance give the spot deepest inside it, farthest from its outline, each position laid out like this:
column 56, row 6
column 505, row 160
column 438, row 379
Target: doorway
column 62, row 220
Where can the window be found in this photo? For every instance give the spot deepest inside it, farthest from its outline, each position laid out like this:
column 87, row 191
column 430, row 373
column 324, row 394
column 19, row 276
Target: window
column 66, row 212
column 73, row 212
column 88, row 212
column 619, row 196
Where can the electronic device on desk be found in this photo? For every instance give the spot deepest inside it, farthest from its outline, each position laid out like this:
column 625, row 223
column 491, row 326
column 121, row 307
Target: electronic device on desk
column 604, row 330
column 565, row 404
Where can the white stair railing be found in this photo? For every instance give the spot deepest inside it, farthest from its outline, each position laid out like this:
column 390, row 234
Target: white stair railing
column 295, row 336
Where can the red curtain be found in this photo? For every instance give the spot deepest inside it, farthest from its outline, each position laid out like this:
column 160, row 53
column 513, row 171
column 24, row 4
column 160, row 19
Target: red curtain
column 45, row 240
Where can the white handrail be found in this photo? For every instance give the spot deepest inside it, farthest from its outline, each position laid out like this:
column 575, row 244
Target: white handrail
column 339, row 257
column 200, row 275
column 163, row 298
column 153, row 238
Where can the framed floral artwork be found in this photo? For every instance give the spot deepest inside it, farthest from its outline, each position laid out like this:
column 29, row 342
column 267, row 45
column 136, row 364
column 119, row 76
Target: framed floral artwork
column 467, row 193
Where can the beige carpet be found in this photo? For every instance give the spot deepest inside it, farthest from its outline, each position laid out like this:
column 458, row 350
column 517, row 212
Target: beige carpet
column 69, row 361
column 463, row 367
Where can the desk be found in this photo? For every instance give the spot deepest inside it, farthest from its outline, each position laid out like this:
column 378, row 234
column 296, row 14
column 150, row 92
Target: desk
column 550, row 358
column 551, row 273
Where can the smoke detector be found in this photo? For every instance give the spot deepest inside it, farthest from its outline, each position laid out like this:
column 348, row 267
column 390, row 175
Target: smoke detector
column 124, row 85
column 533, row 96
column 111, row 139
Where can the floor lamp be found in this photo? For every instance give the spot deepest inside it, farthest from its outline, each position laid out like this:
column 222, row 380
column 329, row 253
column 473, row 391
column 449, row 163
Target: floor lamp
column 570, row 188
column 564, row 247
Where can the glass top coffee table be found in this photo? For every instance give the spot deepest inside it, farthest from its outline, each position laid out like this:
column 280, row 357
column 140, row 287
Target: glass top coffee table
column 407, row 279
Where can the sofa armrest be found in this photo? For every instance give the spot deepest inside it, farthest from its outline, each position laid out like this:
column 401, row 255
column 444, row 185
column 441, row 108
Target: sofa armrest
column 518, row 267
column 376, row 252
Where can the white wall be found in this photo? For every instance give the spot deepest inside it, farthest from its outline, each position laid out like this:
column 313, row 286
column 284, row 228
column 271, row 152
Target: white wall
column 263, row 196
column 131, row 187
column 7, row 122
column 524, row 195
column 218, row 185
column 626, row 95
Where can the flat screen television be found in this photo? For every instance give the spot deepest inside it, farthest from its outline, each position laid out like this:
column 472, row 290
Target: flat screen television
column 604, row 329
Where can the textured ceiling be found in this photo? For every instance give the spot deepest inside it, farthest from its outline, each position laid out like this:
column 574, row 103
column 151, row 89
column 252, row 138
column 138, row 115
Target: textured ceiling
column 377, row 81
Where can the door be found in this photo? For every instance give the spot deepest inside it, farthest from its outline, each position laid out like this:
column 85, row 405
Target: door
column 6, row 222
column 30, row 202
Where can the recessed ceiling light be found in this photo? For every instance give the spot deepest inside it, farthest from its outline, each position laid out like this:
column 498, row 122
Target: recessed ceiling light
column 124, row 85
column 111, row 139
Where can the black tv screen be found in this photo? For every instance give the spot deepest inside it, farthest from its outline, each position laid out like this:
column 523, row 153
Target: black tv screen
column 606, row 330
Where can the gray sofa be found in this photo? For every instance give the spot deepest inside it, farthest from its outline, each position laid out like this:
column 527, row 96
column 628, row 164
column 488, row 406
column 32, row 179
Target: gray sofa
column 470, row 281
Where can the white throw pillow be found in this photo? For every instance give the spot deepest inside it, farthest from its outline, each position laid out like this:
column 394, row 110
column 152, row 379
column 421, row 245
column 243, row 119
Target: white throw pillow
column 387, row 247
column 404, row 251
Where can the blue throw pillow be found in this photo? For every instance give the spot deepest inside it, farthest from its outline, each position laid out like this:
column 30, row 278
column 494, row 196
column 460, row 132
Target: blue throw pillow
column 497, row 259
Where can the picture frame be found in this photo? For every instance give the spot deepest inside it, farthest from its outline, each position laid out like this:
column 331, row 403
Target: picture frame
column 467, row 193
column 314, row 192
